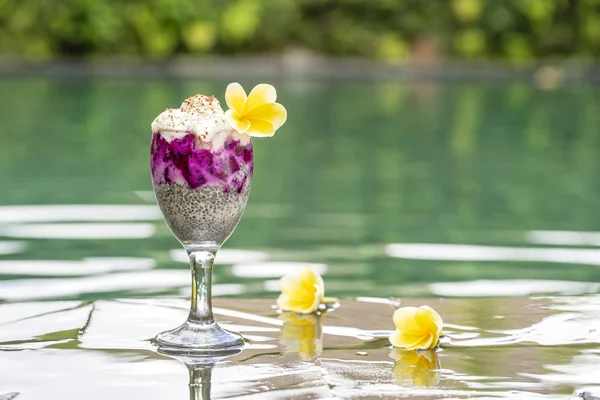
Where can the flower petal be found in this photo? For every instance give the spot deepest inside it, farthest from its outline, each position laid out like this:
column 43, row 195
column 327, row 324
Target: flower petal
column 295, row 296
column 404, row 319
column 311, row 278
column 260, row 95
column 396, row 338
column 426, row 343
column 404, row 341
column 288, row 284
column 240, row 125
column 299, row 304
column 260, row 127
column 274, row 112
column 235, row 97
column 428, row 319
column 407, row 341
column 301, row 292
column 283, row 302
column 316, row 301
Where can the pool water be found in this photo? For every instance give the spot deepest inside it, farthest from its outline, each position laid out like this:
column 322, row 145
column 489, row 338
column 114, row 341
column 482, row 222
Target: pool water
column 518, row 348
column 479, row 200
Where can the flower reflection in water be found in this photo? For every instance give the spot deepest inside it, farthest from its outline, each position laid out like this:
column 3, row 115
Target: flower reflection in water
column 420, row 368
column 302, row 334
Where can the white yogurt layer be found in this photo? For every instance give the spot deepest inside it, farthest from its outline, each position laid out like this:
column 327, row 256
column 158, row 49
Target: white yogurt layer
column 201, row 115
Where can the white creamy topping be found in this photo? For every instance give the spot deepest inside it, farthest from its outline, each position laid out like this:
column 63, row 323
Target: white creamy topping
column 201, row 115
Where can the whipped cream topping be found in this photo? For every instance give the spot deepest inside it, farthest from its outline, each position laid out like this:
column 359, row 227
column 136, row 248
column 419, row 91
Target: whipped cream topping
column 201, row 115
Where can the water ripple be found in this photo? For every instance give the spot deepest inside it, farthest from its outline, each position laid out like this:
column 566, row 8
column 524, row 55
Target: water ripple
column 78, row 212
column 80, row 231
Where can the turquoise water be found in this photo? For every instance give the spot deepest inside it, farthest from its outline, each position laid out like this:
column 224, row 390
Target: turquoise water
column 385, row 186
column 397, row 193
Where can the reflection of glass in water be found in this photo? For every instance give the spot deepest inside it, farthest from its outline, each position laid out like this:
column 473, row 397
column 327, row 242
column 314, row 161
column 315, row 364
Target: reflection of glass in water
column 302, row 334
column 200, row 378
column 200, row 371
column 419, row 368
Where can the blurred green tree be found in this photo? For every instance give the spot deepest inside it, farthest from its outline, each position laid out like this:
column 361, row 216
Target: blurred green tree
column 390, row 30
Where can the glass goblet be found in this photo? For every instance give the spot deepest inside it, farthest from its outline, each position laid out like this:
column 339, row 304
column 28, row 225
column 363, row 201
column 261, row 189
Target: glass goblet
column 202, row 192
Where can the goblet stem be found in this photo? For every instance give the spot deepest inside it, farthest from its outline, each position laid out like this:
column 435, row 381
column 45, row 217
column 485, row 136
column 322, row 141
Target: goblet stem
column 201, row 264
column 200, row 333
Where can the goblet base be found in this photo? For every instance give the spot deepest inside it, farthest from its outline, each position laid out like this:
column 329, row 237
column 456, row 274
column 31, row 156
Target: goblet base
column 204, row 339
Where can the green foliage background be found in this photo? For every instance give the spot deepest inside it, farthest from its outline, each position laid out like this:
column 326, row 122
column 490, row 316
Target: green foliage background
column 392, row 30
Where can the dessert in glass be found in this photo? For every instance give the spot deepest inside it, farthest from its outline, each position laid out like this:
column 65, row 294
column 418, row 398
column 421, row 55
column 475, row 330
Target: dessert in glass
column 202, row 160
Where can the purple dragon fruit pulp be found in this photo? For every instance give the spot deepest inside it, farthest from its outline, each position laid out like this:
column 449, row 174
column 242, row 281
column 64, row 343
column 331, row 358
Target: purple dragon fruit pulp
column 180, row 161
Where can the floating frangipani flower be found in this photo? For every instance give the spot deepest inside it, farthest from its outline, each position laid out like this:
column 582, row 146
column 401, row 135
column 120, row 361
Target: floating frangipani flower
column 256, row 114
column 302, row 292
column 419, row 368
column 416, row 328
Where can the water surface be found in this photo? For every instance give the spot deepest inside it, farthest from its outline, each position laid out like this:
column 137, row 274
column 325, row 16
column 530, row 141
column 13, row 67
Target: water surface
column 394, row 189
column 544, row 348
column 478, row 200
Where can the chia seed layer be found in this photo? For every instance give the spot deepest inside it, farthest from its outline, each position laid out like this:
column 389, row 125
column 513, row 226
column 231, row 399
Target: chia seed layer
column 182, row 161
column 204, row 214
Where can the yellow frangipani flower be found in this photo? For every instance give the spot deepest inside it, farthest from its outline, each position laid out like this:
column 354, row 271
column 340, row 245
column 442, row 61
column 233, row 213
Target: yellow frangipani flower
column 302, row 334
column 256, row 114
column 301, row 292
column 416, row 367
column 416, row 328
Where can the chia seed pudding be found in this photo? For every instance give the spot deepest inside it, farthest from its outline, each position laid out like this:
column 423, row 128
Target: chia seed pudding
column 201, row 182
column 202, row 193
